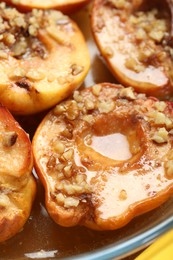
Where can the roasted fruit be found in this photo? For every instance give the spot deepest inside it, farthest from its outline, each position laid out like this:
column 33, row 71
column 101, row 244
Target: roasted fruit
column 66, row 6
column 17, row 185
column 43, row 58
column 135, row 39
column 105, row 156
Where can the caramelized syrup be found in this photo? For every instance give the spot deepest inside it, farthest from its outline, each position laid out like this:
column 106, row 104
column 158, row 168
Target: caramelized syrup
column 114, row 146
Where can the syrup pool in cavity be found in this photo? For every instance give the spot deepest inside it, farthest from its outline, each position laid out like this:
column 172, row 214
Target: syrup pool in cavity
column 114, row 146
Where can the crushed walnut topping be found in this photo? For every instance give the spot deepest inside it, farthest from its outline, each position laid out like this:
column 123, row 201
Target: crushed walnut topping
column 76, row 69
column 161, row 136
column 148, row 29
column 94, row 111
column 142, row 45
column 127, row 93
column 19, row 32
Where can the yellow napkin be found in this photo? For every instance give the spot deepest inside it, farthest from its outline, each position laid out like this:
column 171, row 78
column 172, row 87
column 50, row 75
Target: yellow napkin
column 161, row 249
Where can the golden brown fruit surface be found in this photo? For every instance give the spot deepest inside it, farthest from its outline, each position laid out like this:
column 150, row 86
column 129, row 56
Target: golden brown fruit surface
column 43, row 58
column 66, row 6
column 17, row 185
column 105, row 156
column 135, row 39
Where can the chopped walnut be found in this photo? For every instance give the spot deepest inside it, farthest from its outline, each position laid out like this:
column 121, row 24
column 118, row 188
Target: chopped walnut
column 36, row 74
column 71, row 202
column 160, row 105
column 67, row 170
column 127, row 93
column 72, row 110
column 157, row 117
column 161, row 136
column 88, row 118
column 76, row 69
column 119, row 3
column 19, row 32
column 58, row 146
column 106, row 106
column 77, row 97
column 68, row 155
column 89, row 104
column 3, row 55
column 96, row 89
column 60, row 199
column 59, row 109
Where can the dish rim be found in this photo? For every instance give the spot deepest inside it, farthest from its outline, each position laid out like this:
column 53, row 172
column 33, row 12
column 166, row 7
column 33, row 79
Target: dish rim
column 128, row 247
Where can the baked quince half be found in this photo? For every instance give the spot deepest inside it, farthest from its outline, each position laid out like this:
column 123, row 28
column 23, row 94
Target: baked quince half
column 66, row 6
column 17, row 184
column 105, row 156
column 135, row 39
column 43, row 58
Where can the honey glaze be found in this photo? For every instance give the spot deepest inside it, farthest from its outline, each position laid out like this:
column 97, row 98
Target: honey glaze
column 114, row 146
column 117, row 184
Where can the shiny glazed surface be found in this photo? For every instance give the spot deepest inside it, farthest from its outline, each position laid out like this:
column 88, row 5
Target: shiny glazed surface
column 85, row 187
column 142, row 26
column 41, row 237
